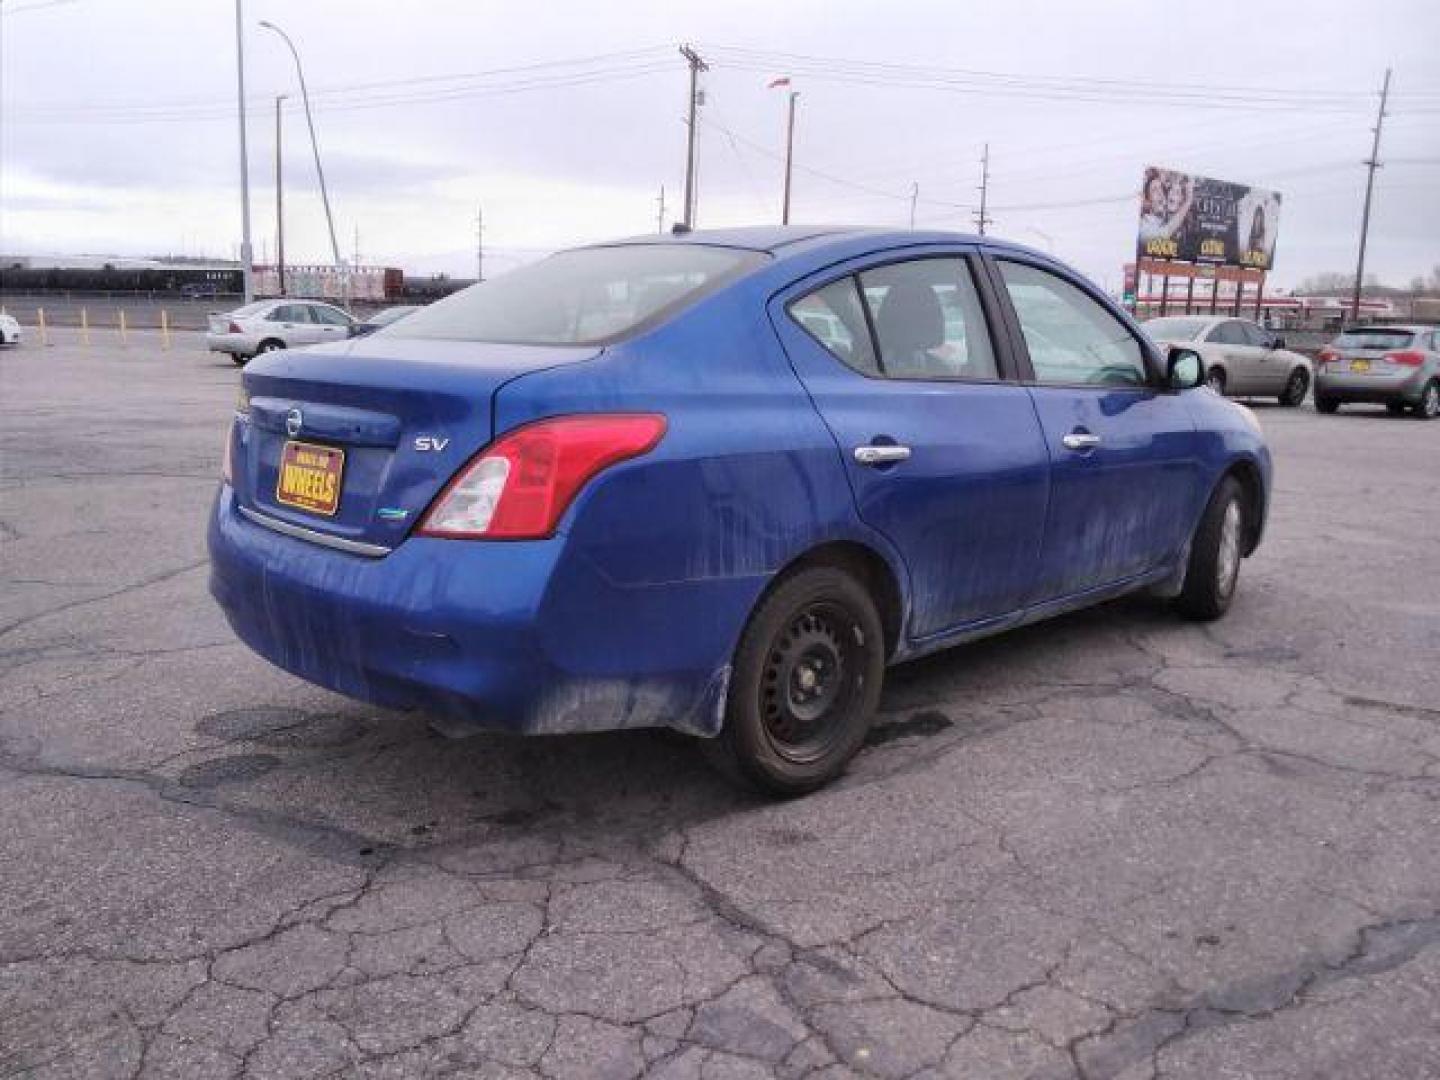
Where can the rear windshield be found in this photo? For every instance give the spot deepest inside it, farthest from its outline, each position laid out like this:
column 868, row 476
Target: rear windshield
column 1379, row 337
column 1175, row 329
column 253, row 308
column 589, row 296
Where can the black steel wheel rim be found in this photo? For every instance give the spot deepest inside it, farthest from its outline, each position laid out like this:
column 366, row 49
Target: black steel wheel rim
column 1298, row 385
column 811, row 682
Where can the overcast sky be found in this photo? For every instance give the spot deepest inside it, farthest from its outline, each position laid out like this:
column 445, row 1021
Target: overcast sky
column 118, row 132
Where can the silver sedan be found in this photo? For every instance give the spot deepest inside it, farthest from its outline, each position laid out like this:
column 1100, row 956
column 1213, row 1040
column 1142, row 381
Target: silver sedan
column 1242, row 358
column 267, row 325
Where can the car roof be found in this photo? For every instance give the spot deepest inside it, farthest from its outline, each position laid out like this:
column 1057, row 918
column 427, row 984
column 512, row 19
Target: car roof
column 1404, row 328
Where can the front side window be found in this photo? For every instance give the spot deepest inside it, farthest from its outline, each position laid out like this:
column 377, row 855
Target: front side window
column 1255, row 335
column 928, row 321
column 328, row 316
column 588, row 296
column 1072, row 339
column 833, row 316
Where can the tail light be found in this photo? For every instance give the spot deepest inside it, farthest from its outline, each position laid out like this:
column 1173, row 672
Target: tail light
column 520, row 486
column 1327, row 355
column 1408, row 357
column 235, row 328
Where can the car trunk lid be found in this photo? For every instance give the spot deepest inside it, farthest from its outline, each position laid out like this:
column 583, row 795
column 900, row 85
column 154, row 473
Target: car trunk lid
column 353, row 441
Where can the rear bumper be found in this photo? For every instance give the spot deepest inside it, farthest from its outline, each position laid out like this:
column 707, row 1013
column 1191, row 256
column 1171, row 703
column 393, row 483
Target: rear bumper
column 234, row 344
column 1404, row 386
column 520, row 637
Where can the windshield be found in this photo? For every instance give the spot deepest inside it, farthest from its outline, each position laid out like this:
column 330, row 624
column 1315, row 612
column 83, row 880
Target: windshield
column 1378, row 337
column 589, row 296
column 1174, row 329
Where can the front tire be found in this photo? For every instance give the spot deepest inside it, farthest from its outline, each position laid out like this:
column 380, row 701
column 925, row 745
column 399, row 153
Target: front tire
column 1296, row 387
column 1215, row 553
column 806, row 682
column 1429, row 406
column 1216, row 380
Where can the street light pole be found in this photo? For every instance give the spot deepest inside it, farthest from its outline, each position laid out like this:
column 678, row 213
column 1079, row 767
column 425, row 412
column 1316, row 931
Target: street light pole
column 279, row 204
column 246, row 257
column 314, row 145
column 789, row 157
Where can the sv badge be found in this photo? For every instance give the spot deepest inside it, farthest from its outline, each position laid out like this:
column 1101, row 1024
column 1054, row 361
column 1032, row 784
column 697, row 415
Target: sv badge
column 426, row 443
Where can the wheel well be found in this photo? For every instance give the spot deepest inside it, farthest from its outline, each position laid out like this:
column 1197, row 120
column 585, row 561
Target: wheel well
column 870, row 569
column 1252, row 489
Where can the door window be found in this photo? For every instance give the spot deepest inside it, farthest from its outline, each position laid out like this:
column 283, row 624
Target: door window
column 1070, row 336
column 928, row 321
column 1227, row 333
column 327, row 316
column 1255, row 335
column 833, row 317
column 291, row 313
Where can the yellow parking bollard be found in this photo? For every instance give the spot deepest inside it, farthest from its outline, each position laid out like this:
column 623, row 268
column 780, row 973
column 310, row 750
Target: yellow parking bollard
column 40, row 319
column 84, row 327
column 123, row 339
column 165, row 329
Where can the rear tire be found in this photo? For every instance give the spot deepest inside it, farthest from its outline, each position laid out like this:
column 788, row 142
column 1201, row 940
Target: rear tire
column 269, row 345
column 1296, row 387
column 240, row 359
column 1396, row 408
column 806, row 682
column 1429, row 406
column 1326, row 405
column 1216, row 380
column 1215, row 553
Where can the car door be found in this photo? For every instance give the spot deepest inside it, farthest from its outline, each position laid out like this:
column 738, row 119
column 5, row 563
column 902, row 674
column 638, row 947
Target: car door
column 293, row 324
column 1265, row 366
column 1241, row 373
column 1123, row 451
column 331, row 324
column 944, row 456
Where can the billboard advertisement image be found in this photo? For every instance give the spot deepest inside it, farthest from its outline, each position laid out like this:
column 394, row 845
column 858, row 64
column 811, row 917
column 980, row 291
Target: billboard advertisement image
column 1198, row 219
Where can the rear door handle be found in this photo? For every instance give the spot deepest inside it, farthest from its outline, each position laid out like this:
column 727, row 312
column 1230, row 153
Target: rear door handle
column 1081, row 440
column 882, row 454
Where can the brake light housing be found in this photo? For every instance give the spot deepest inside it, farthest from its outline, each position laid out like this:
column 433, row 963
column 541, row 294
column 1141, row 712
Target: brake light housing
column 235, row 328
column 1327, row 355
column 1406, row 357
column 519, row 487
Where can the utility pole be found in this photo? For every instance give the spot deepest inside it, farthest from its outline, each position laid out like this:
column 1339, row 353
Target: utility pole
column 697, row 65
column 1373, row 163
column 246, row 261
column 660, row 217
column 479, row 243
column 279, row 204
column 914, row 198
column 789, row 157
column 981, row 220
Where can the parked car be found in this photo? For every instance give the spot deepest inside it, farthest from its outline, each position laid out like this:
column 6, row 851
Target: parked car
column 199, row 290
column 1242, row 358
column 1397, row 366
column 267, row 325
column 383, row 317
column 9, row 329
column 718, row 482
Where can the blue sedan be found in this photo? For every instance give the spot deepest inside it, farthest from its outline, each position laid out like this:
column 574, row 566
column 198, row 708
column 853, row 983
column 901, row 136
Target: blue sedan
column 719, row 482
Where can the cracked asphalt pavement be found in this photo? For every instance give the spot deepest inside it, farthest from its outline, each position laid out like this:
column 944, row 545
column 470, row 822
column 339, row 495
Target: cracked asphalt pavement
column 1113, row 846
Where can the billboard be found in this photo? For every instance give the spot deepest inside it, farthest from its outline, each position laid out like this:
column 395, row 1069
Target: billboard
column 1197, row 219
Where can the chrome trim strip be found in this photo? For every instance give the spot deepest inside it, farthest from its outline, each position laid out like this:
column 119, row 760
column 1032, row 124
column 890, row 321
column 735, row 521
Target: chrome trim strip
column 339, row 543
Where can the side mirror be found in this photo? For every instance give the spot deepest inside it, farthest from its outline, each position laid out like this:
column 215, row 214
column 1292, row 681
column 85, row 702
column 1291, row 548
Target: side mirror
column 1184, row 370
column 1278, row 342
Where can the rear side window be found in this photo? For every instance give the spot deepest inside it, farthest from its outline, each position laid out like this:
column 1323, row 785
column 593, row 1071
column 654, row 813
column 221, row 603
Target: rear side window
column 833, row 316
column 589, row 296
column 928, row 321
column 1071, row 338
column 1377, row 338
column 1227, row 333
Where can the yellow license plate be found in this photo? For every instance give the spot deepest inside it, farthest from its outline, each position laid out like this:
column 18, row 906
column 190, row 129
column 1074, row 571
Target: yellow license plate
column 310, row 477
column 1359, row 367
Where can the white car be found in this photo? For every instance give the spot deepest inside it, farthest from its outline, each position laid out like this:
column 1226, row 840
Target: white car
column 267, row 325
column 1242, row 358
column 9, row 329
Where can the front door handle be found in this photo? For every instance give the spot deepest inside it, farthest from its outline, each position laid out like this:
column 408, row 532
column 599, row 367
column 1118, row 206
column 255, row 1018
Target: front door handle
column 1081, row 440
column 882, row 454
